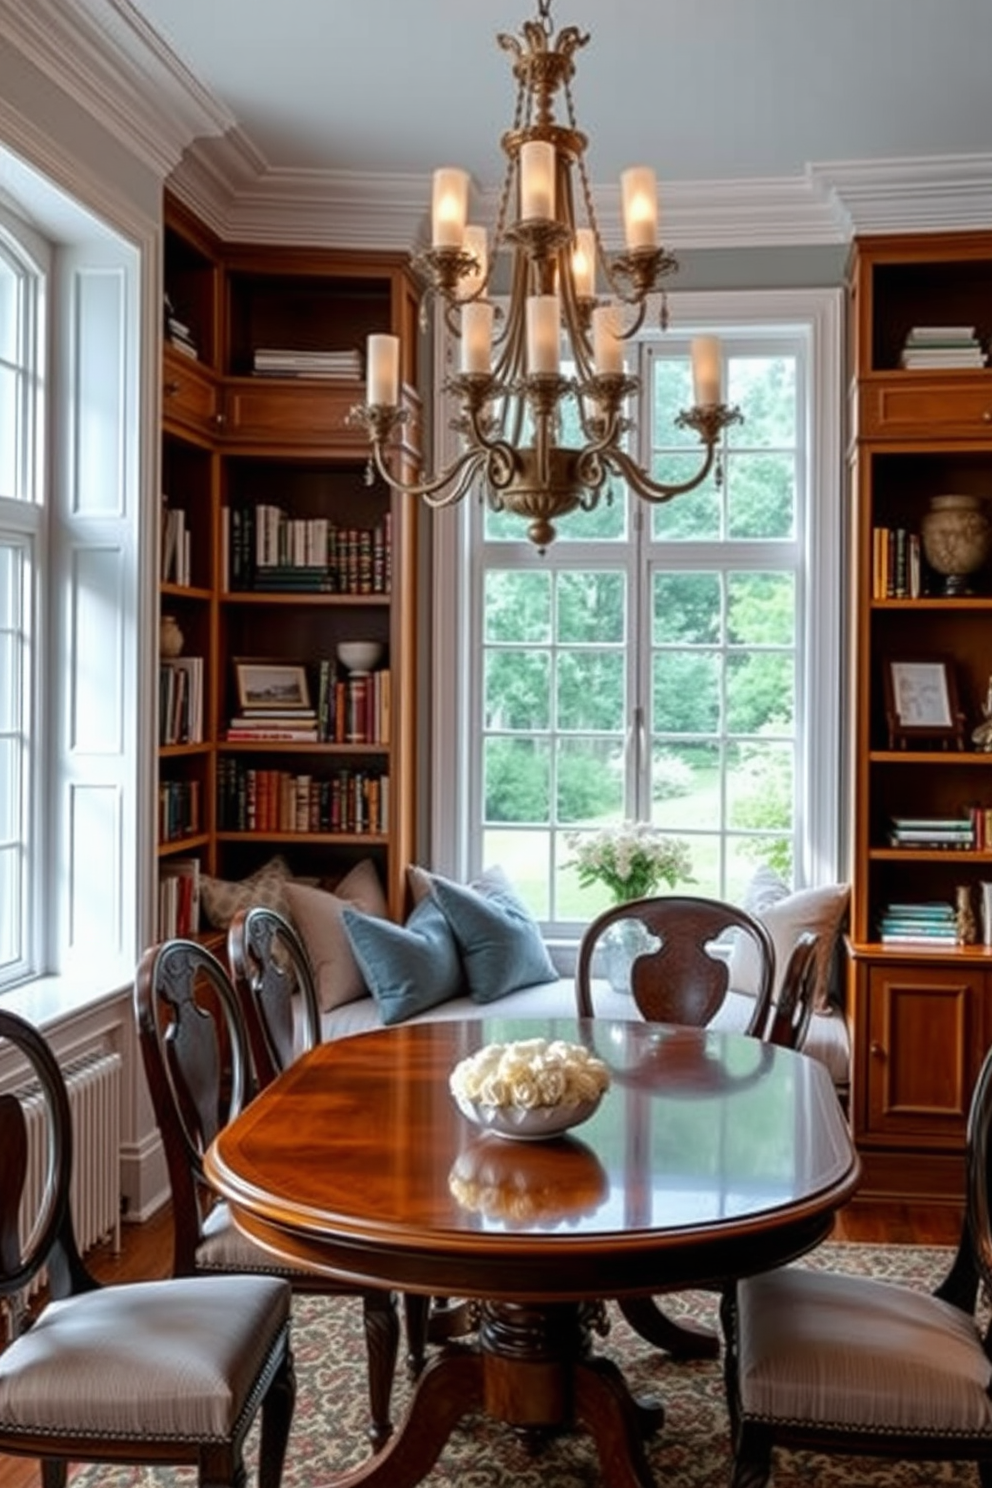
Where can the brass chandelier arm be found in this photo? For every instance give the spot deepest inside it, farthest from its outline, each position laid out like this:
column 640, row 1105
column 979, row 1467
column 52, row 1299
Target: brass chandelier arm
column 656, row 491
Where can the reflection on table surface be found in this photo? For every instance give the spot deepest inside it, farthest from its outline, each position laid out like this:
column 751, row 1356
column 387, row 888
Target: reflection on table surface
column 696, row 1128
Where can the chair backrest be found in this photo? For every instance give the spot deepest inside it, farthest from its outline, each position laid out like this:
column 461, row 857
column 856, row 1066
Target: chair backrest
column 197, row 1061
column 789, row 1018
column 46, row 1224
column 275, row 987
column 680, row 976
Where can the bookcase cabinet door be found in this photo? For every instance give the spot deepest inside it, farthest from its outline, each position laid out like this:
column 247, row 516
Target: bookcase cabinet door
column 924, row 1027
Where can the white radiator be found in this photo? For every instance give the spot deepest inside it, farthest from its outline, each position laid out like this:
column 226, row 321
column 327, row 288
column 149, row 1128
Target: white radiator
column 94, row 1085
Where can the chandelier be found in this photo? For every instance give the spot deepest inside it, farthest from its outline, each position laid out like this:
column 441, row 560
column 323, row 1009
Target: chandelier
column 515, row 403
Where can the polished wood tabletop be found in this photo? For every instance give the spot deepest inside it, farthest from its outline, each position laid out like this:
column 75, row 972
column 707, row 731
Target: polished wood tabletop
column 710, row 1156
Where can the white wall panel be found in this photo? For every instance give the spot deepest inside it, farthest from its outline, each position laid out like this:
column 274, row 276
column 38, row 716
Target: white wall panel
column 98, row 463
column 95, row 835
column 97, row 613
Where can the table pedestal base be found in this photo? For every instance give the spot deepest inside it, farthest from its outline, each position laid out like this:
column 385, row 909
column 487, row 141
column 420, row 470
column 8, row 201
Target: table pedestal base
column 533, row 1368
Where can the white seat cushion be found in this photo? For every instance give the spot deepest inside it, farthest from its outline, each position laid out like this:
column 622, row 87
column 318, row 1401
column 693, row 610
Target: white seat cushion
column 850, row 1352
column 162, row 1360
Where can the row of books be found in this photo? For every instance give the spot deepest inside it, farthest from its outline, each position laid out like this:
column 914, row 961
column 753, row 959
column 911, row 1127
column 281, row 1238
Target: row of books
column 347, row 801
column 265, row 549
column 336, row 366
column 180, row 701
column 356, row 709
column 942, row 346
column 932, row 831
column 178, row 898
column 981, row 821
column 934, row 922
column 175, row 545
column 895, row 563
column 178, row 810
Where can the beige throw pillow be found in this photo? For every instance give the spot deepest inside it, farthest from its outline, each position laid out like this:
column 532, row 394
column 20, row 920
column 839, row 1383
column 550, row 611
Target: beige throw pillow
column 317, row 916
column 221, row 898
column 820, row 910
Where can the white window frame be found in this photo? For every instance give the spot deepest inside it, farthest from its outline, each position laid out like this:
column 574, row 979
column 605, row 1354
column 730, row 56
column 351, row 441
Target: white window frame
column 816, row 315
column 24, row 526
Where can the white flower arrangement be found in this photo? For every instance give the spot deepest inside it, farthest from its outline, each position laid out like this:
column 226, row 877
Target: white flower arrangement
column 632, row 860
column 530, row 1073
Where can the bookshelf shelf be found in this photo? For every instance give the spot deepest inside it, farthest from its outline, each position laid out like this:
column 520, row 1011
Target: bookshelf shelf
column 235, row 442
column 920, row 1016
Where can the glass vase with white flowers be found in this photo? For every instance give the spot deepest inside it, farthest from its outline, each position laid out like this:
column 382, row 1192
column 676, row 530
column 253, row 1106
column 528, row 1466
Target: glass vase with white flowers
column 633, row 861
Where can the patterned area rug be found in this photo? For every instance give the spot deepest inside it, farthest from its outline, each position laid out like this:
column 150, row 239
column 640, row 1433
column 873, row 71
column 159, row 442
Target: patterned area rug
column 691, row 1451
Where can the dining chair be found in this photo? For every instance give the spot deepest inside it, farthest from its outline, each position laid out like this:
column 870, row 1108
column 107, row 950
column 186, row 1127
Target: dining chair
column 680, row 972
column 792, row 1009
column 679, row 976
column 851, row 1364
column 275, row 986
column 197, row 1060
column 145, row 1373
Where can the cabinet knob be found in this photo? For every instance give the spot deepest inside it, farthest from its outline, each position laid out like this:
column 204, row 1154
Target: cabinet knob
column 877, row 1052
column 987, row 416
column 220, row 419
column 171, row 389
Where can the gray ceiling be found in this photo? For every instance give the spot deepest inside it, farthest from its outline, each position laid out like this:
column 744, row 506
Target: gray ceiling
column 702, row 90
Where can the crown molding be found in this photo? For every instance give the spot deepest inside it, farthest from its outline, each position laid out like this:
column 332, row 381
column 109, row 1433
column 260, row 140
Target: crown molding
column 935, row 193
column 103, row 55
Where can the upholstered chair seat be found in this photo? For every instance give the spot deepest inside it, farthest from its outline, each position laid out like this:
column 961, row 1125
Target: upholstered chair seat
column 857, row 1365
column 211, row 1336
column 151, row 1373
column 853, row 1353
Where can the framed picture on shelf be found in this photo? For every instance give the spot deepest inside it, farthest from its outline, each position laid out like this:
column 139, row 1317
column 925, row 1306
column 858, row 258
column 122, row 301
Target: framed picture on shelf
column 921, row 703
column 271, row 686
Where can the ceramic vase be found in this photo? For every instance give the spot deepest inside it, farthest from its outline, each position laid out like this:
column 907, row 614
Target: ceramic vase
column 957, row 539
column 170, row 637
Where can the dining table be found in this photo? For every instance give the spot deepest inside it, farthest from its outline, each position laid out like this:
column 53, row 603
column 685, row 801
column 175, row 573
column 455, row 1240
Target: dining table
column 710, row 1156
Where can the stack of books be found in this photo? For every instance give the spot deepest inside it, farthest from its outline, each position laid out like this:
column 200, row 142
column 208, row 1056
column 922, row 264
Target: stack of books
column 296, row 726
column 178, row 333
column 934, row 923
column 337, row 366
column 933, row 831
column 942, row 346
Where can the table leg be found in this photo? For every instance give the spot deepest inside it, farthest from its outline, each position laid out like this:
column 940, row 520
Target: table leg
column 534, row 1370
column 681, row 1337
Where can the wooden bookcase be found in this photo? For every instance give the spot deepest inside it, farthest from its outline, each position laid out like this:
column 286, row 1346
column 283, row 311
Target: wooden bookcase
column 921, row 1014
column 233, row 444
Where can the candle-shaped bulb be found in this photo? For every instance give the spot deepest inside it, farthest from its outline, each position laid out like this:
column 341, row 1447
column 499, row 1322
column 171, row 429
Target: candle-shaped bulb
column 537, row 180
column 543, row 333
column 707, row 371
column 449, row 207
column 607, row 348
column 383, row 371
column 584, row 263
column 474, row 242
column 477, row 336
column 639, row 190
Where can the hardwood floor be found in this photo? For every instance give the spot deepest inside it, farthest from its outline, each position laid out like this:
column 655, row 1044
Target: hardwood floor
column 147, row 1253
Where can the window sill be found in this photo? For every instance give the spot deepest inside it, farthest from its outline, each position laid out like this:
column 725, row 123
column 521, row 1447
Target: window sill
column 49, row 1000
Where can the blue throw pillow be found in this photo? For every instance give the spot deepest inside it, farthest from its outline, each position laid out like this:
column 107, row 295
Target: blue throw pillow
column 500, row 941
column 407, row 968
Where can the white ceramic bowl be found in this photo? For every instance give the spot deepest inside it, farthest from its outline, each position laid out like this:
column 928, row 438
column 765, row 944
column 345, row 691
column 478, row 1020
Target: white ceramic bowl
column 360, row 656
column 527, row 1124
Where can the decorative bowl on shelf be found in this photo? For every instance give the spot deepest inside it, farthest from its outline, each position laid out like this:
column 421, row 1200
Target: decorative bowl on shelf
column 530, row 1089
column 360, row 656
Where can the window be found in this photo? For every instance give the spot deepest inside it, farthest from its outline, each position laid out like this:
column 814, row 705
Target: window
column 673, row 663
column 68, row 581
column 21, row 562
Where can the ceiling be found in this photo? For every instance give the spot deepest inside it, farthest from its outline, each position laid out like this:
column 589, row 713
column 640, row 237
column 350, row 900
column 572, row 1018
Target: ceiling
column 707, row 90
